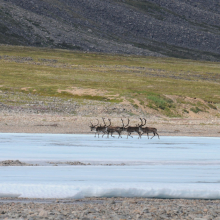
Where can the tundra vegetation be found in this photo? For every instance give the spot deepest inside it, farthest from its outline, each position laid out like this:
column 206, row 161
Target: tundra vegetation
column 166, row 86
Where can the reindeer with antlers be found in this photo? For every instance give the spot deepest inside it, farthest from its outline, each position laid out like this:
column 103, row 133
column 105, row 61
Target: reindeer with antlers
column 131, row 129
column 93, row 127
column 117, row 129
column 108, row 129
column 147, row 130
column 99, row 128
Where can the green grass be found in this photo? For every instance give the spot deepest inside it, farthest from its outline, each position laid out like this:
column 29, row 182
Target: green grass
column 147, row 79
column 212, row 106
column 196, row 109
column 160, row 102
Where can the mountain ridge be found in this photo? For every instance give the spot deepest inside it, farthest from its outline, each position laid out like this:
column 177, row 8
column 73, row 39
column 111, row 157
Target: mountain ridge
column 185, row 29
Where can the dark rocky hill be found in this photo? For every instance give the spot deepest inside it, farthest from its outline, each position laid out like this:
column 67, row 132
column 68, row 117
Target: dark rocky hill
column 180, row 28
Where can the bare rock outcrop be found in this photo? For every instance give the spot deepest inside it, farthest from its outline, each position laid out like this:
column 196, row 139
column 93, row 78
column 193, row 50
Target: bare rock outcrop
column 14, row 163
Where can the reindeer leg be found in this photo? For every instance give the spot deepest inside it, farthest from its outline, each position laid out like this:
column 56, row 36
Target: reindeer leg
column 158, row 135
column 107, row 134
column 139, row 133
column 119, row 135
column 103, row 134
column 154, row 135
column 112, row 134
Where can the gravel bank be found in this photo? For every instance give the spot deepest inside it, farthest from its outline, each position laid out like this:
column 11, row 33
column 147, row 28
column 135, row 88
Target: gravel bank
column 67, row 124
column 109, row 208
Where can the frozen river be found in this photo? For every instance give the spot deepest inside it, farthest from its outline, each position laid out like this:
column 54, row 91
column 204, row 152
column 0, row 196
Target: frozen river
column 170, row 167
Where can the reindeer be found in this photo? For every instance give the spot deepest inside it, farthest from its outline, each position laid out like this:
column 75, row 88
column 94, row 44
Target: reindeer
column 117, row 129
column 93, row 127
column 147, row 130
column 131, row 129
column 102, row 129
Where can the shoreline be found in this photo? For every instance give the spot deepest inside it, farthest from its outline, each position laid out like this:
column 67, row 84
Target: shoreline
column 170, row 134
column 62, row 124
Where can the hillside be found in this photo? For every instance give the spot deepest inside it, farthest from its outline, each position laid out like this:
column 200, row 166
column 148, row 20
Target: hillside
column 184, row 29
column 40, row 80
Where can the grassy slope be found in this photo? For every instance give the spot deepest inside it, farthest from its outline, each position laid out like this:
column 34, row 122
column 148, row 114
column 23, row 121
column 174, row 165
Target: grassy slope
column 143, row 81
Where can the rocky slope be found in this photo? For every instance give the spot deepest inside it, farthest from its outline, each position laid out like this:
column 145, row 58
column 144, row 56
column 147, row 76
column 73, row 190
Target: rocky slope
column 181, row 28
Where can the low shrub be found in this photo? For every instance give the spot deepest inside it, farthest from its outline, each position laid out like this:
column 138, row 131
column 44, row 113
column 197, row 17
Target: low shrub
column 212, row 106
column 160, row 102
column 196, row 109
column 185, row 111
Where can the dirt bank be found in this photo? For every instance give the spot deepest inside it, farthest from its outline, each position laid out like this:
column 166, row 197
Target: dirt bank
column 65, row 124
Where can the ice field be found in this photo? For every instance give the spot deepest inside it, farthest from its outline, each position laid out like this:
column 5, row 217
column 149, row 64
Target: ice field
column 170, row 167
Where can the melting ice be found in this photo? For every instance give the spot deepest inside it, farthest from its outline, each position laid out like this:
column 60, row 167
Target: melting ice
column 170, row 167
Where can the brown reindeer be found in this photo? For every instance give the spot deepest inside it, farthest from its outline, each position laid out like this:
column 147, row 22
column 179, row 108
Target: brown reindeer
column 101, row 129
column 93, row 127
column 131, row 129
column 147, row 130
column 113, row 129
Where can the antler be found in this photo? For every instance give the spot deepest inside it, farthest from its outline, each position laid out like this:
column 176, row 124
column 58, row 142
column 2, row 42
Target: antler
column 140, row 124
column 109, row 122
column 104, row 121
column 122, row 123
column 98, row 122
column 128, row 122
column 145, row 121
column 94, row 125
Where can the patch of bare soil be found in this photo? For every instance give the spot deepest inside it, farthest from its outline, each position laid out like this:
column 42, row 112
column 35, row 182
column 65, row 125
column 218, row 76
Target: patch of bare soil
column 84, row 91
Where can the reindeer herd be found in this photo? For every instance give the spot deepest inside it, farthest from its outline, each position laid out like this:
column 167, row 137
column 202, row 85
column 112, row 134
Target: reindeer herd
column 110, row 130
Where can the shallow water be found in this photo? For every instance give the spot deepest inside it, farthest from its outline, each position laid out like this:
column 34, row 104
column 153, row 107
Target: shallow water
column 170, row 167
